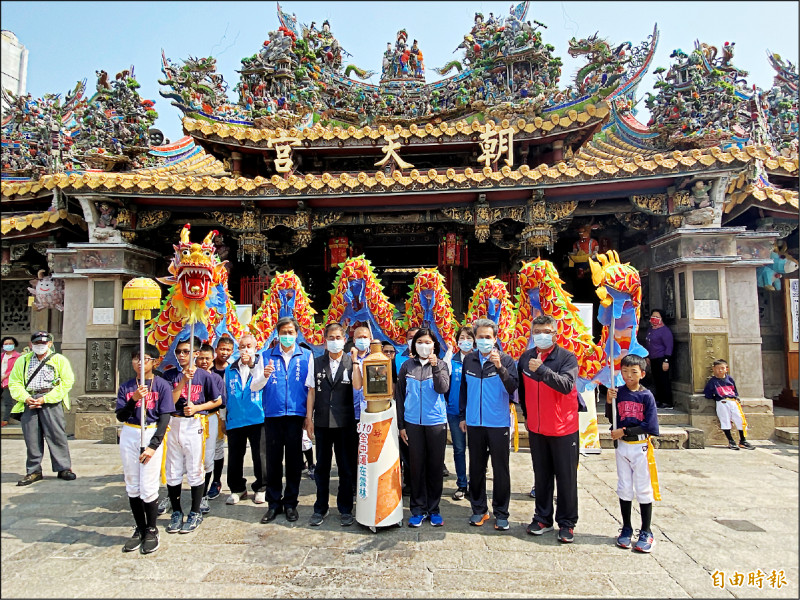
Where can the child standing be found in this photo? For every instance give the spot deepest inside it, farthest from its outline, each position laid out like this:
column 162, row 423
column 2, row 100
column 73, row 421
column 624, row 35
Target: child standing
column 637, row 420
column 224, row 351
column 722, row 388
column 141, row 469
column 205, row 360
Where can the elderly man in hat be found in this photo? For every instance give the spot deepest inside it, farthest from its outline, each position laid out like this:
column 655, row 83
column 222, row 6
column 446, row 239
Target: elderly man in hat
column 40, row 383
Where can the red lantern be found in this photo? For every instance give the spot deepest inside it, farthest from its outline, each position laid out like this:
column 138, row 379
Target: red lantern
column 452, row 251
column 338, row 252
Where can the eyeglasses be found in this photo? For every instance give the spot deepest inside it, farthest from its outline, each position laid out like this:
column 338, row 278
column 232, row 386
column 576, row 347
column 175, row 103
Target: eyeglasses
column 182, row 352
column 146, row 359
column 387, row 352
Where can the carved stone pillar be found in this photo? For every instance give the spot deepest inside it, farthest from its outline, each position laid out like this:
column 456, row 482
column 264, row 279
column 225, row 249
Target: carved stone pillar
column 710, row 274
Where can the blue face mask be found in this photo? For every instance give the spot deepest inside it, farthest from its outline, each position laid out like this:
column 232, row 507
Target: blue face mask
column 335, row 346
column 484, row 345
column 466, row 346
column 362, row 344
column 543, row 340
column 287, row 341
column 8, row 347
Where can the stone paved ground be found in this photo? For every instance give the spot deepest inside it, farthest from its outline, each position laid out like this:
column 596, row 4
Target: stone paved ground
column 63, row 539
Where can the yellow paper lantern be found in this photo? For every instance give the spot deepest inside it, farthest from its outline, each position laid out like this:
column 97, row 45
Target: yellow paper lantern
column 141, row 295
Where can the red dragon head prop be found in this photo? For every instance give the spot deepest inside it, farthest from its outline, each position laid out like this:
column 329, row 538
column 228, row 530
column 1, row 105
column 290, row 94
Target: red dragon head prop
column 193, row 265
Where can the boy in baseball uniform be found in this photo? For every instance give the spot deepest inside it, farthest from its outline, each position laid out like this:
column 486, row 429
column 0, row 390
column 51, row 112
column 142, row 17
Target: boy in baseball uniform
column 637, row 420
column 189, row 433
column 141, row 469
column 205, row 361
column 722, row 388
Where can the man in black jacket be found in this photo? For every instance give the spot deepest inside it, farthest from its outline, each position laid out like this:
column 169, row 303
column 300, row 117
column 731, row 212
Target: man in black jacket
column 331, row 417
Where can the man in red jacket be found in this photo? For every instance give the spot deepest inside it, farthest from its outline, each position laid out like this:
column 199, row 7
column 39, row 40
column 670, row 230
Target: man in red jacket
column 549, row 402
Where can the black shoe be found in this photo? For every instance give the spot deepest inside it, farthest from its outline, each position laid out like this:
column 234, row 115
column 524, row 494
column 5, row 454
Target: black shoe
column 445, row 472
column 270, row 515
column 67, row 475
column 460, row 494
column 346, row 519
column 565, row 535
column 746, row 445
column 134, row 543
column 150, row 541
column 291, row 514
column 732, row 445
column 317, row 519
column 31, row 478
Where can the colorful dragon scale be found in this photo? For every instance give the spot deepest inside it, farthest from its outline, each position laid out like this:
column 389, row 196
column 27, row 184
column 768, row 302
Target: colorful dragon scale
column 357, row 295
column 286, row 296
column 492, row 300
column 541, row 292
column 429, row 305
column 198, row 289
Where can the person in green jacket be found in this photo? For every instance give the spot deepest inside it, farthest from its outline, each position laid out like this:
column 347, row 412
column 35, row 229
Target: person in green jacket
column 41, row 392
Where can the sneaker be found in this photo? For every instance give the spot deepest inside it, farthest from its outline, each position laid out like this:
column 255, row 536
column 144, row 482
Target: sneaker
column 134, row 543
column 478, row 520
column 317, row 519
column 538, row 528
column 260, row 497
column 31, row 478
column 417, row 520
column 215, row 490
column 175, row 522
column 747, row 445
column 732, row 445
column 501, row 524
column 532, row 493
column 150, row 541
column 624, row 539
column 192, row 522
column 437, row 520
column 67, row 475
column 163, row 505
column 460, row 493
column 565, row 535
column 235, row 497
column 645, row 543
column 311, row 470
column 204, row 507
column 346, row 519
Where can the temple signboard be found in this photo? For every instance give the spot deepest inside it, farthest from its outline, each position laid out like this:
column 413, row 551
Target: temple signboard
column 101, row 360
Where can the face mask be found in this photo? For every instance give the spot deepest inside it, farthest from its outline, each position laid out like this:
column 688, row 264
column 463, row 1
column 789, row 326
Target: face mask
column 362, row 344
column 466, row 346
column 655, row 321
column 39, row 348
column 287, row 341
column 409, row 343
column 424, row 350
column 543, row 340
column 335, row 346
column 485, row 346
column 8, row 347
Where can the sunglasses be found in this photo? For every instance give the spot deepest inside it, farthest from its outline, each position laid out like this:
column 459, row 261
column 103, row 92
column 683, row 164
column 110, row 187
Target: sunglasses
column 182, row 352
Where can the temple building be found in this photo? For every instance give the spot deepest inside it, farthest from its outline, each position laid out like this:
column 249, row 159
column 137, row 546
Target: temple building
column 475, row 168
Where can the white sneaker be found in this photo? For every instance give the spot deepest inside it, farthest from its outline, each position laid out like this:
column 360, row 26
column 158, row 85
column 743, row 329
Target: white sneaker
column 234, row 497
column 163, row 505
column 260, row 498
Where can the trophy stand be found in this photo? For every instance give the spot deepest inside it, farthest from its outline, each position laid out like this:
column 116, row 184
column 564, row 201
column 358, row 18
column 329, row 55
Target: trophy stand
column 379, row 495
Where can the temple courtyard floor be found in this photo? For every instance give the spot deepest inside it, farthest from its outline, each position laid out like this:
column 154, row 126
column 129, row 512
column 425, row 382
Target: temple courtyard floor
column 723, row 512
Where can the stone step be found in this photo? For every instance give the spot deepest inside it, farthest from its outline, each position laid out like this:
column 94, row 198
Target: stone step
column 672, row 437
column 11, row 432
column 787, row 435
column 785, row 417
column 666, row 416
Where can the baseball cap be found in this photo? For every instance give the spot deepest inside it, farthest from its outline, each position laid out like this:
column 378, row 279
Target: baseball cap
column 41, row 336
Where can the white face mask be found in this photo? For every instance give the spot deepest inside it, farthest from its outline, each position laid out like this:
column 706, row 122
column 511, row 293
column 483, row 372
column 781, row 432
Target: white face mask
column 335, row 346
column 424, row 350
column 39, row 348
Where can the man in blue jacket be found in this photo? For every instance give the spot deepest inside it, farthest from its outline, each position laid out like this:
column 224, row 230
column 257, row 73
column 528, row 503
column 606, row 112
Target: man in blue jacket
column 489, row 377
column 289, row 369
column 244, row 421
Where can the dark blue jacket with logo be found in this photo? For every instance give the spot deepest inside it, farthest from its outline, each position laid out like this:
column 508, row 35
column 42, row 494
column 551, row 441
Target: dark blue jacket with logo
column 286, row 393
column 486, row 391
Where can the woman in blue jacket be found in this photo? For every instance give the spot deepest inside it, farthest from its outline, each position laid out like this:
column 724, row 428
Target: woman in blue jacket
column 422, row 420
column 465, row 338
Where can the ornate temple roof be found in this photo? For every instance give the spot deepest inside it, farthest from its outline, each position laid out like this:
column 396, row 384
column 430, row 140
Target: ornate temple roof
column 19, row 223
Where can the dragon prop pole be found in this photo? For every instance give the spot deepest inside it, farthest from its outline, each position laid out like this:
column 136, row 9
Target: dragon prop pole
column 611, row 335
column 141, row 295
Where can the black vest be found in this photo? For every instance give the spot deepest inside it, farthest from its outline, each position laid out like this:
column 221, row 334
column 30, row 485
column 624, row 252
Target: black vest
column 333, row 397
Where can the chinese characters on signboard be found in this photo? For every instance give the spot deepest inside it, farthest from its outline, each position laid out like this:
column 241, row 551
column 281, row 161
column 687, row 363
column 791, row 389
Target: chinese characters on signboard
column 101, row 360
column 364, row 429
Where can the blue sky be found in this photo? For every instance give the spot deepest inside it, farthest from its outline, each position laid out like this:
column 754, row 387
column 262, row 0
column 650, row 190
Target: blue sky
column 69, row 41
